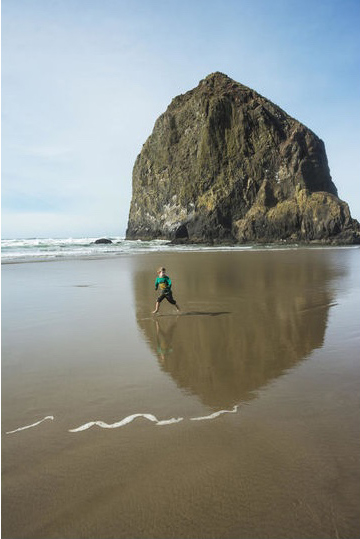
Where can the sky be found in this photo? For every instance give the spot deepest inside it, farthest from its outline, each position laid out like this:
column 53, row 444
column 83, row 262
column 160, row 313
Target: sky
column 83, row 82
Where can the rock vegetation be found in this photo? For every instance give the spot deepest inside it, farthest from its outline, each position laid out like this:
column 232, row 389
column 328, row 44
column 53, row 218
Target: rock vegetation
column 224, row 164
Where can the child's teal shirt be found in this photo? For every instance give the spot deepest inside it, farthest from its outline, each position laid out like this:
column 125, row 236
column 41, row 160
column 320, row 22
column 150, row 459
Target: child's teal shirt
column 164, row 283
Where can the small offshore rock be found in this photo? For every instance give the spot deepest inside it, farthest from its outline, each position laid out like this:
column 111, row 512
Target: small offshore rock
column 103, row 240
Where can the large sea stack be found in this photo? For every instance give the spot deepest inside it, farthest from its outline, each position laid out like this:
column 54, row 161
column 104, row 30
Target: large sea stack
column 224, row 164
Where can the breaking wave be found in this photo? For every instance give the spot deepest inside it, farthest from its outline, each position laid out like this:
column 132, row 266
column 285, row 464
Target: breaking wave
column 47, row 249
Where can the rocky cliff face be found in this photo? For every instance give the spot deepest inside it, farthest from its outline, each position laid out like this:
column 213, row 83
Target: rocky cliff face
column 225, row 164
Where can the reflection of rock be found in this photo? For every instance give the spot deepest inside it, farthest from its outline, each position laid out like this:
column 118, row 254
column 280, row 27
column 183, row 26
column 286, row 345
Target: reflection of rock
column 265, row 313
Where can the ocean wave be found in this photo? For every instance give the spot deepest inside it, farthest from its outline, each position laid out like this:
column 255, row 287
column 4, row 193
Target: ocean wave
column 27, row 250
column 46, row 249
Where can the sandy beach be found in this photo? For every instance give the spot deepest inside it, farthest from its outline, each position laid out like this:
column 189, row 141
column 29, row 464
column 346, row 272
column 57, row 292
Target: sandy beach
column 237, row 418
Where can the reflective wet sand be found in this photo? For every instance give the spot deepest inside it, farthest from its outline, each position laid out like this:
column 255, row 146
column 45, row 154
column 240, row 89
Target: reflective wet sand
column 273, row 333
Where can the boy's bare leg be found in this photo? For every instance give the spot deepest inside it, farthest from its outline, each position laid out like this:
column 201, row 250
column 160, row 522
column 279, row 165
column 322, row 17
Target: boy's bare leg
column 177, row 307
column 157, row 305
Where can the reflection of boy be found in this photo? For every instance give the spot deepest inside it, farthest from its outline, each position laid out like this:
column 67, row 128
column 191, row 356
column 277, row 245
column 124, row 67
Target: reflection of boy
column 163, row 283
column 163, row 341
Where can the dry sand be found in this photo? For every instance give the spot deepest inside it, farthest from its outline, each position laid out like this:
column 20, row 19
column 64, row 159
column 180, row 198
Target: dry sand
column 269, row 338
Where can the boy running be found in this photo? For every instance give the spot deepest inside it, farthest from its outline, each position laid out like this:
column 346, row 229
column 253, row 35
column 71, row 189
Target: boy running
column 163, row 282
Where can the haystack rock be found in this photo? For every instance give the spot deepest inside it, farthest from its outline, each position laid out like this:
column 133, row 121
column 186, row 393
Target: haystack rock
column 224, row 164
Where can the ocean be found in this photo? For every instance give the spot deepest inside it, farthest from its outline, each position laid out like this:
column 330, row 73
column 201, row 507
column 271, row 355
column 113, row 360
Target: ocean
column 47, row 249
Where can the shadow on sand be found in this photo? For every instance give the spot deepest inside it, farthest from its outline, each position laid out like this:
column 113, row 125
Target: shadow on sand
column 195, row 313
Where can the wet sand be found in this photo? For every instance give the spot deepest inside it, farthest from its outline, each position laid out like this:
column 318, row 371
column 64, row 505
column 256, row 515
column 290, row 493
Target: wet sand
column 268, row 339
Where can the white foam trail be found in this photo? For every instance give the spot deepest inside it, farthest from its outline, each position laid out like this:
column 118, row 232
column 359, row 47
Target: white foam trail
column 33, row 424
column 150, row 417
column 170, row 421
column 125, row 421
column 129, row 419
column 215, row 414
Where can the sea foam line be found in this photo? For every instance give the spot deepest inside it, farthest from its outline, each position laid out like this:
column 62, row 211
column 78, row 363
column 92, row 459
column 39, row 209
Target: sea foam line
column 215, row 414
column 32, row 425
column 150, row 417
column 125, row 421
column 129, row 419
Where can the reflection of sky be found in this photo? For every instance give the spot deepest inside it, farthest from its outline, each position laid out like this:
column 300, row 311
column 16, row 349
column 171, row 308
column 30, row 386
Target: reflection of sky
column 83, row 83
column 344, row 316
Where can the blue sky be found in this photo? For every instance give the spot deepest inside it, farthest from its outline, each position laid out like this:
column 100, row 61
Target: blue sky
column 83, row 82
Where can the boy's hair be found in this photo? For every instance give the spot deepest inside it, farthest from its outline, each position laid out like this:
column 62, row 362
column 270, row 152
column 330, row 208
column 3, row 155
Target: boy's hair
column 161, row 269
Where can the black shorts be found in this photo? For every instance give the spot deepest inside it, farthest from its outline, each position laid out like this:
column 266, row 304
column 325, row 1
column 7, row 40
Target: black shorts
column 168, row 296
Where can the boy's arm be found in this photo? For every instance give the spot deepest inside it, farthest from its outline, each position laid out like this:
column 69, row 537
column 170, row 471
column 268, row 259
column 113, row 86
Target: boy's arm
column 156, row 283
column 169, row 282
